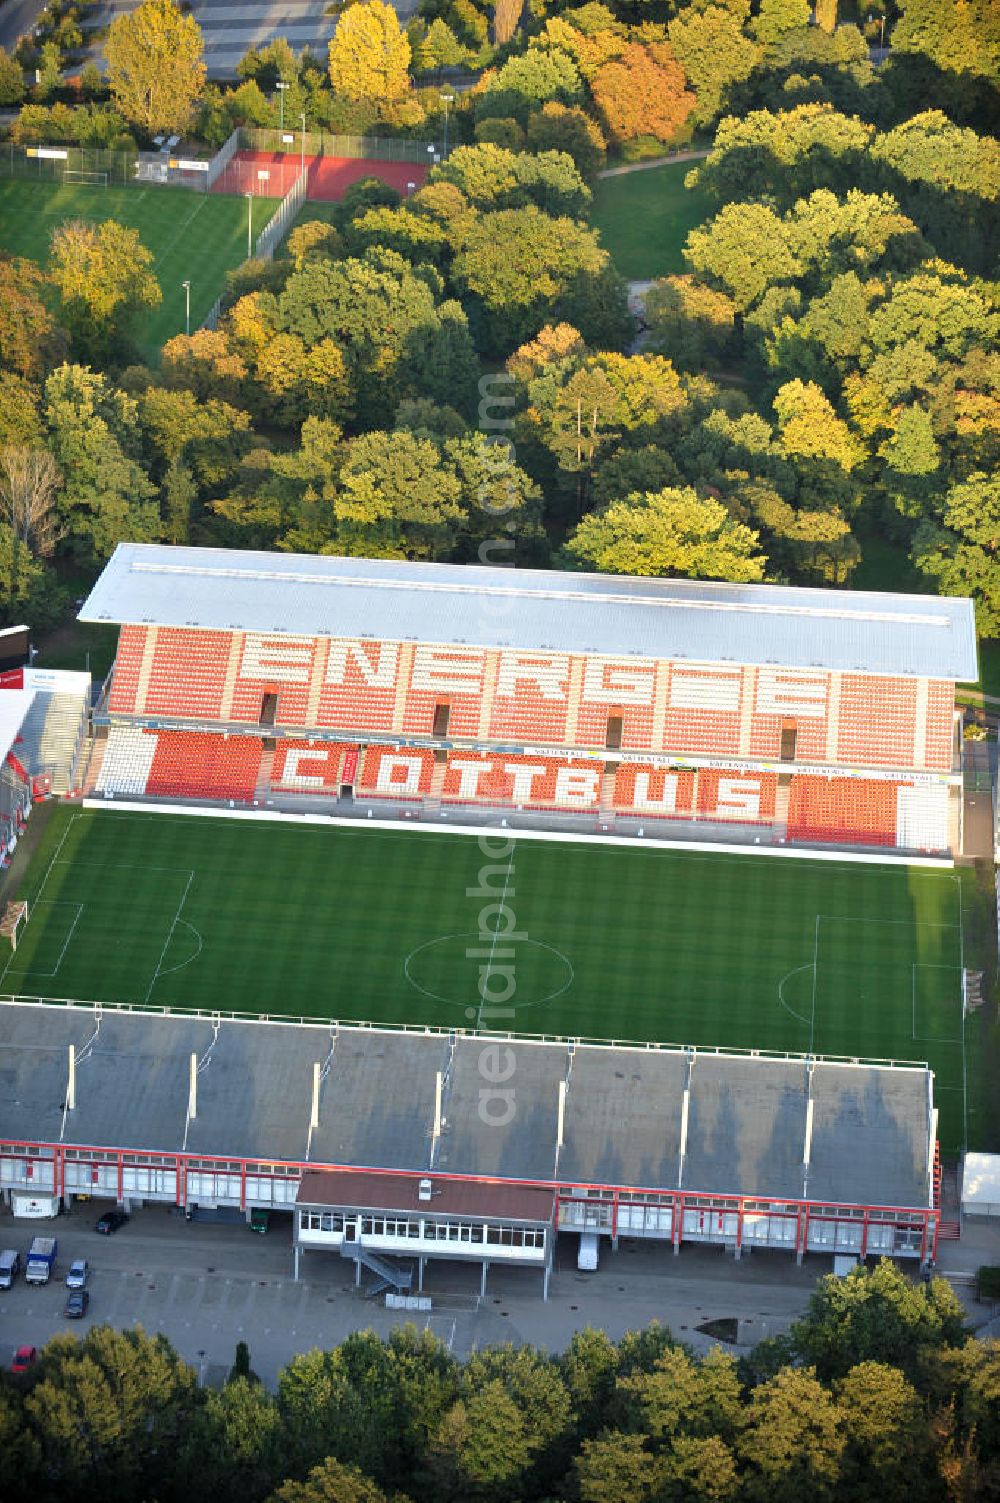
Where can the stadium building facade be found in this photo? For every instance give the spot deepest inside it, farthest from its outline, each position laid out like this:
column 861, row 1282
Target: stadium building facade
column 800, row 716
column 430, row 1144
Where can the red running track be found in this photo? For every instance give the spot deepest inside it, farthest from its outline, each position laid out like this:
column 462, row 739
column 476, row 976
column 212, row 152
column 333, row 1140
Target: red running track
column 328, row 176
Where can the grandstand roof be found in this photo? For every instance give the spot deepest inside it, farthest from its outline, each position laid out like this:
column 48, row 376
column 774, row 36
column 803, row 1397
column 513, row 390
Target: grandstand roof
column 910, row 636
column 747, row 1118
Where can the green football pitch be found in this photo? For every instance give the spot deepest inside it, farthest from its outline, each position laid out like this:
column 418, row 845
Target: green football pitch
column 191, row 236
column 609, row 941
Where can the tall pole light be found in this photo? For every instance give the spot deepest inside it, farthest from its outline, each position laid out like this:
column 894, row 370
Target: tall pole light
column 302, row 165
column 446, row 100
column 249, row 198
column 281, row 86
column 187, row 307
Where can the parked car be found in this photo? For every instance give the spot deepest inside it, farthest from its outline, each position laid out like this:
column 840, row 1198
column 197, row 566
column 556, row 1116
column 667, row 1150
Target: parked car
column 10, row 1267
column 76, row 1304
column 110, row 1222
column 24, row 1358
column 79, row 1272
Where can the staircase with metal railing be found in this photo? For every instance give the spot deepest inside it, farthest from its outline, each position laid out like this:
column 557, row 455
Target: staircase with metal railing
column 387, row 1274
column 946, row 1198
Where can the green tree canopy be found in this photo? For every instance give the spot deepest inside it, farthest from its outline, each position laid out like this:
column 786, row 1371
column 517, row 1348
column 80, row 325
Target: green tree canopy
column 104, row 275
column 880, row 1315
column 94, row 435
column 520, row 268
column 672, row 532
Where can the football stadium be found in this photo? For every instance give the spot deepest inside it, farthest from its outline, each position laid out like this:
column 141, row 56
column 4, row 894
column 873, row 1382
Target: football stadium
column 613, row 907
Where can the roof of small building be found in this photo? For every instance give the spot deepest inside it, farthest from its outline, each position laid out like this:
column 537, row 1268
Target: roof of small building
column 475, row 1198
column 621, row 1123
column 534, row 610
column 981, row 1179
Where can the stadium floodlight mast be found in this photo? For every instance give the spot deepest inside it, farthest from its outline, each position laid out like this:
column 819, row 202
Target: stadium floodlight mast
column 187, row 307
column 281, row 86
column 446, row 100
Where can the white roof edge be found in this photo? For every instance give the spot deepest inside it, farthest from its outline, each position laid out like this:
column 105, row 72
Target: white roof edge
column 892, row 635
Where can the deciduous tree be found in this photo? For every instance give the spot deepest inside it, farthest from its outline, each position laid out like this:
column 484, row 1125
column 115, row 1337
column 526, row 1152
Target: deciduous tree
column 369, row 56
column 882, row 1316
column 11, row 79
column 107, row 498
column 30, row 340
column 716, row 54
column 569, row 129
column 672, row 532
column 155, row 65
column 643, row 93
column 105, row 281
column 520, row 268
column 792, row 1443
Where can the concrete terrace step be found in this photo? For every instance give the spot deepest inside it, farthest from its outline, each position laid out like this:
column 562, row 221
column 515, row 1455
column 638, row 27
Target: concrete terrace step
column 50, row 736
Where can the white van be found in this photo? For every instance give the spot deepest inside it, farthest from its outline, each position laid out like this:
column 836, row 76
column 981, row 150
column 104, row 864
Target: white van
column 10, row 1267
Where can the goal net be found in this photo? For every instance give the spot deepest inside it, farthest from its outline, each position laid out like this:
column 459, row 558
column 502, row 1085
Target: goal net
column 15, row 916
column 77, row 175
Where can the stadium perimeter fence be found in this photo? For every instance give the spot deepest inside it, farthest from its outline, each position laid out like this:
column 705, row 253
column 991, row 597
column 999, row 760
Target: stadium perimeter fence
column 102, row 167
column 270, row 236
column 320, row 143
column 71, row 164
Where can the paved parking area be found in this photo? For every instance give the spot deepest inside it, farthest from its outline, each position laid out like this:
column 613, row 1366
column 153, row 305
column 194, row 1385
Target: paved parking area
column 230, row 30
column 208, row 1286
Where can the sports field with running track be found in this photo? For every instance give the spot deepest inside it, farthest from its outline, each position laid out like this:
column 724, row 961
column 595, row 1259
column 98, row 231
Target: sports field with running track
column 611, row 942
column 191, row 236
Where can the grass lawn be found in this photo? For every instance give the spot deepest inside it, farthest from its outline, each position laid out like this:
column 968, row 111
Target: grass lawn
column 613, row 942
column 194, row 236
column 644, row 218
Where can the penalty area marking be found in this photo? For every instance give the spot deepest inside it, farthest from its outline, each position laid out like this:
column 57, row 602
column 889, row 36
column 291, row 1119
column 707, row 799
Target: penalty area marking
column 31, row 970
column 810, row 965
column 928, row 965
column 169, row 970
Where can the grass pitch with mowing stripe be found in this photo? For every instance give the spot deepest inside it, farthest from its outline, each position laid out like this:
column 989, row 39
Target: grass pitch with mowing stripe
column 191, row 236
column 609, row 941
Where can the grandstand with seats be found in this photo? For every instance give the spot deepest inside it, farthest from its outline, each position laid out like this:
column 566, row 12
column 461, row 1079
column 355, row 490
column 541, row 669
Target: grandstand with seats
column 675, row 708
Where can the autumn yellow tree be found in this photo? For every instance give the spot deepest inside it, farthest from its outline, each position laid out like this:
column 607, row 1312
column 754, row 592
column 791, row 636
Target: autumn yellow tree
column 370, row 54
column 155, row 65
column 104, row 276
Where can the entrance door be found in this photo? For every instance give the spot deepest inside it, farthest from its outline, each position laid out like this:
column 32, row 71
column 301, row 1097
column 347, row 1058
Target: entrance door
column 789, row 735
column 268, row 709
column 613, row 739
column 442, row 715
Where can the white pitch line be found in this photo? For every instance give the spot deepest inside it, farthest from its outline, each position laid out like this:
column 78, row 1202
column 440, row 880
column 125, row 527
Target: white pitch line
column 169, row 247
column 812, row 1022
column 55, row 858
column 493, row 947
column 961, row 961
column 170, row 935
column 48, row 872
